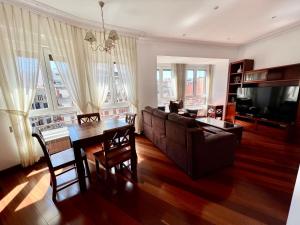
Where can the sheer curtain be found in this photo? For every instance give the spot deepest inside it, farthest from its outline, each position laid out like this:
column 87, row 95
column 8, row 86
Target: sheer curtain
column 209, row 83
column 179, row 70
column 64, row 45
column 98, row 69
column 126, row 60
column 20, row 54
column 174, row 82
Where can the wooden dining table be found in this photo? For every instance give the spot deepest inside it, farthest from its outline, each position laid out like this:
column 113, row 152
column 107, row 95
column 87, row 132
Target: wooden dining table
column 89, row 134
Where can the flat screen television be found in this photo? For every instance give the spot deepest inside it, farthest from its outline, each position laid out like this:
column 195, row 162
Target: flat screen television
column 273, row 103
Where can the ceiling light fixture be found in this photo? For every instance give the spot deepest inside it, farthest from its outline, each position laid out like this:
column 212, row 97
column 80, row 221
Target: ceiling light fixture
column 109, row 43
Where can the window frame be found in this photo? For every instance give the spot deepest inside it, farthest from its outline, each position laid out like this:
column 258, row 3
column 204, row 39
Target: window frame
column 196, row 68
column 114, row 104
column 161, row 68
column 53, row 108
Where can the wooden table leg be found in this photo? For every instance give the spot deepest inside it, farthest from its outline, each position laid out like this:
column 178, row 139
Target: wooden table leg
column 133, row 154
column 80, row 168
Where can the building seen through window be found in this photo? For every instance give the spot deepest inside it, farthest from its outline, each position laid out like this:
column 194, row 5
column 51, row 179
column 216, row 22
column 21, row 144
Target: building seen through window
column 195, row 87
column 116, row 102
column 166, row 90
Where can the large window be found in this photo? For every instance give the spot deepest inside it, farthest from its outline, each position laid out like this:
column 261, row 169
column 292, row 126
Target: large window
column 165, row 85
column 195, row 86
column 116, row 102
column 52, row 106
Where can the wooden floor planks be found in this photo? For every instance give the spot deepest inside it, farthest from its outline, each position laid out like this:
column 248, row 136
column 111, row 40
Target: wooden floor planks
column 256, row 190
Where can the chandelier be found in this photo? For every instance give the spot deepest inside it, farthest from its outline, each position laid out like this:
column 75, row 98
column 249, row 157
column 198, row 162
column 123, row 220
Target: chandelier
column 108, row 43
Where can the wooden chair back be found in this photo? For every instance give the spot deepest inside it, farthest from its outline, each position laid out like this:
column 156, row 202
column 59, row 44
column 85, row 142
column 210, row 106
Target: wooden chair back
column 175, row 106
column 118, row 139
column 38, row 135
column 130, row 118
column 90, row 117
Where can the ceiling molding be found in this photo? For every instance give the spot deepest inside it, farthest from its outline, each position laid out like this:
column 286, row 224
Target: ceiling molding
column 46, row 10
column 149, row 37
column 272, row 34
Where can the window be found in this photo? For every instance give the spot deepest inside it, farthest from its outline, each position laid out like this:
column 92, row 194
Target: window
column 63, row 98
column 189, row 83
column 116, row 103
column 40, row 100
column 195, row 86
column 46, row 122
column 200, row 83
column 165, row 85
column 52, row 106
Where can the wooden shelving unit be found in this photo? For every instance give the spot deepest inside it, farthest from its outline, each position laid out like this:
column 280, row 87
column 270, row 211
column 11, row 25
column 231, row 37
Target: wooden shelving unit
column 236, row 76
column 235, row 80
column 241, row 74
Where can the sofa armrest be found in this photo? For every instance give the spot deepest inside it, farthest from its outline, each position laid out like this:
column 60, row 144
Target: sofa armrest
column 212, row 152
column 219, row 152
column 219, row 138
column 195, row 139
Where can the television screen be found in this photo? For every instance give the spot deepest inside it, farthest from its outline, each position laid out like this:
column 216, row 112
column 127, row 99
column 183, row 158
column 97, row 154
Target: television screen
column 276, row 103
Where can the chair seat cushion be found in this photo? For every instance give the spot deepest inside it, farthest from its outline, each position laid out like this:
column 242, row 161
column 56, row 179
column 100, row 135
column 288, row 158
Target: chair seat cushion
column 65, row 157
column 114, row 157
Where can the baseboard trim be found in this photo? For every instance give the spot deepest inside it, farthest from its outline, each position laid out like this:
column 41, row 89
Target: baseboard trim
column 10, row 170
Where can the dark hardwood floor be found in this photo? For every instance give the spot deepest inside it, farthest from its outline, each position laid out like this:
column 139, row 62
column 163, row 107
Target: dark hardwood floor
column 256, row 190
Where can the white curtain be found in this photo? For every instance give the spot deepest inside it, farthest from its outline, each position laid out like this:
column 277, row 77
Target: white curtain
column 174, row 83
column 179, row 70
column 98, row 69
column 20, row 54
column 126, row 61
column 64, row 45
column 208, row 84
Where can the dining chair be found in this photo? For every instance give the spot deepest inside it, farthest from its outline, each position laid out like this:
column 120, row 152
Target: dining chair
column 118, row 147
column 63, row 160
column 90, row 117
column 130, row 118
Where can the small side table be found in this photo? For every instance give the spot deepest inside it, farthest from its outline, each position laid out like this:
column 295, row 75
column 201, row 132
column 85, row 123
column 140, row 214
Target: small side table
column 215, row 111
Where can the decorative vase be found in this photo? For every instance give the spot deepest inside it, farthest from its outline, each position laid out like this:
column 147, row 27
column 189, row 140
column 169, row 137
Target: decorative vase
column 239, row 70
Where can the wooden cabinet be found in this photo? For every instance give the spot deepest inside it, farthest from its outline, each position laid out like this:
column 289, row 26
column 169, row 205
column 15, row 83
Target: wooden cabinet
column 251, row 76
column 241, row 74
column 236, row 75
column 230, row 112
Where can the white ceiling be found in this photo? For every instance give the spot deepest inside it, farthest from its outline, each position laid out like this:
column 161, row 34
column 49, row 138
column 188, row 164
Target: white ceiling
column 234, row 22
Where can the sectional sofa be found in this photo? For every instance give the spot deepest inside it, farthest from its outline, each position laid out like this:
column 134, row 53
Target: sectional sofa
column 195, row 151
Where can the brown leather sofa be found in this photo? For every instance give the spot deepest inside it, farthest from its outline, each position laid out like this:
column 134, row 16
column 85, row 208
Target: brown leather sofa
column 195, row 151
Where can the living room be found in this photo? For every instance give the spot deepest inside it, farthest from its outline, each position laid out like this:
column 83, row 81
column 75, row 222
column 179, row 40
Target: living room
column 216, row 158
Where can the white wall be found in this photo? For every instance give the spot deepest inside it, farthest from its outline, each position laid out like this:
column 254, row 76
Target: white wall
column 219, row 83
column 148, row 50
column 8, row 149
column 276, row 50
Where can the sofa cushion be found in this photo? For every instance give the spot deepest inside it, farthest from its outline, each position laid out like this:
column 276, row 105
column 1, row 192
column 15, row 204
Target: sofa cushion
column 160, row 114
column 176, row 145
column 149, row 109
column 184, row 121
